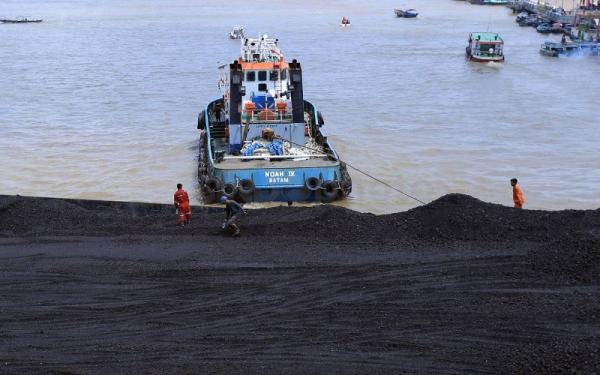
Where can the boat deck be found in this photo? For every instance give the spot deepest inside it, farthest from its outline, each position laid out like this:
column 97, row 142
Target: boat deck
column 236, row 162
column 272, row 163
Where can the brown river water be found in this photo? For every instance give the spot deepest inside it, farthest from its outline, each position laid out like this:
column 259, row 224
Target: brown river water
column 100, row 100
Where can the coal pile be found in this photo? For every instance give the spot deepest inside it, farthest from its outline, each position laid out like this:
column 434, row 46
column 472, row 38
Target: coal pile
column 458, row 217
column 572, row 258
column 454, row 286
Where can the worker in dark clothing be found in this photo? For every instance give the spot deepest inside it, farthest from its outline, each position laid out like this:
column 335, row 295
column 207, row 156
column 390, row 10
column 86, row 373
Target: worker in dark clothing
column 182, row 205
column 518, row 197
column 233, row 211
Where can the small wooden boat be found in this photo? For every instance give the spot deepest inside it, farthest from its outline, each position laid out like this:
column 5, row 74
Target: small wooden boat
column 544, row 28
column 556, row 28
column 409, row 13
column 489, row 2
column 570, row 48
column 485, row 47
column 21, row 20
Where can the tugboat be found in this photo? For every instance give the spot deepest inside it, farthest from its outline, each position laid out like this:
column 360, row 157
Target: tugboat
column 237, row 32
column 485, row 47
column 261, row 141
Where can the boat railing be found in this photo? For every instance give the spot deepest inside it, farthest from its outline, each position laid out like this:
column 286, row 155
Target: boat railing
column 266, row 116
column 278, row 157
column 487, row 54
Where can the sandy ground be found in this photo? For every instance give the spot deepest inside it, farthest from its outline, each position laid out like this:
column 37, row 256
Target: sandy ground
column 457, row 286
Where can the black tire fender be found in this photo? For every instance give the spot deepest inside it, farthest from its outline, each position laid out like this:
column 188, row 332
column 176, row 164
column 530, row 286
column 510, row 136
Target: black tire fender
column 329, row 191
column 246, row 186
column 212, row 185
column 229, row 190
column 202, row 120
column 312, row 183
column 320, row 120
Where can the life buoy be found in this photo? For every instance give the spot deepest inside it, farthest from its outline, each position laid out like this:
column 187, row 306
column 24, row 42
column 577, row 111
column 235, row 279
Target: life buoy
column 246, row 186
column 329, row 191
column 281, row 107
column 249, row 107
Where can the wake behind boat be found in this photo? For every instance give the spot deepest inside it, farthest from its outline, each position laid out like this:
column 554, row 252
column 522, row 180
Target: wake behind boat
column 262, row 141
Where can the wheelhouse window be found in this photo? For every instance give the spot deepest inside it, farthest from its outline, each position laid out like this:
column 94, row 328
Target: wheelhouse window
column 283, row 74
column 262, row 87
column 262, row 75
column 274, row 75
column 251, row 76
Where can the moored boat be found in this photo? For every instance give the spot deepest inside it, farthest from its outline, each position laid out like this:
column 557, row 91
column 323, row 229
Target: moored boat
column 558, row 49
column 544, row 28
column 521, row 17
column 409, row 13
column 261, row 141
column 554, row 49
column 21, row 20
column 345, row 22
column 485, row 47
column 557, row 28
column 237, row 32
column 489, row 2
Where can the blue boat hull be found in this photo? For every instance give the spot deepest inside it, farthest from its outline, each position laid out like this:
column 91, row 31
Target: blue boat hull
column 323, row 180
column 282, row 184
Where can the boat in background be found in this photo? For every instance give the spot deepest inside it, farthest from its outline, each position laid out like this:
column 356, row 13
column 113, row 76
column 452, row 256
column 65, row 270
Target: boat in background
column 559, row 49
column 489, row 2
column 554, row 49
column 345, row 22
column 409, row 13
column 544, row 28
column 522, row 17
column 21, row 20
column 485, row 47
column 237, row 32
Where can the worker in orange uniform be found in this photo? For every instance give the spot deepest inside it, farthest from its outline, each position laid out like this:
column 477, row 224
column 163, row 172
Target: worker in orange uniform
column 518, row 197
column 182, row 205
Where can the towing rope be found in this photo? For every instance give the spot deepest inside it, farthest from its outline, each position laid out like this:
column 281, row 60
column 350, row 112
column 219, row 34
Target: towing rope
column 384, row 183
column 356, row 169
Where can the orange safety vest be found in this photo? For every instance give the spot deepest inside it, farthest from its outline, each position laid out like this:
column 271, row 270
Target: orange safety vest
column 518, row 196
column 181, row 198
